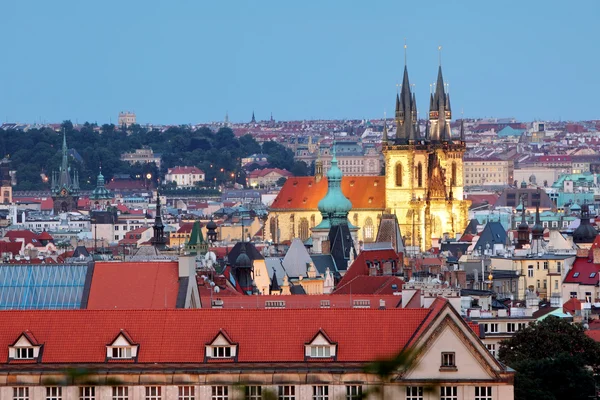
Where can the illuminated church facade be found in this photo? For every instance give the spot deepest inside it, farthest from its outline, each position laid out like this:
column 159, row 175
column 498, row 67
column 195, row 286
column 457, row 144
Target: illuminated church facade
column 423, row 184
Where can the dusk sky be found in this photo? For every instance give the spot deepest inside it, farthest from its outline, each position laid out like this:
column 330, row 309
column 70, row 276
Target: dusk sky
column 177, row 62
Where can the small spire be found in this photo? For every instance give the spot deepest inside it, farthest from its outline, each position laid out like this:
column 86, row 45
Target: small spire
column 385, row 131
column 462, row 129
column 440, row 54
column 405, row 52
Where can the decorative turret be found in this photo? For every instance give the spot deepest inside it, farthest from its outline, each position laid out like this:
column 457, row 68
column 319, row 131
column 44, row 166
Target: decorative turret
column 537, row 232
column 585, row 232
column 196, row 243
column 384, row 137
column 406, row 113
column 158, row 240
column 211, row 231
column 65, row 189
column 100, row 193
column 523, row 229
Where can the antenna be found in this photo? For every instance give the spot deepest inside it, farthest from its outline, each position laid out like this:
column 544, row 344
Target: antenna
column 440, row 54
column 405, row 52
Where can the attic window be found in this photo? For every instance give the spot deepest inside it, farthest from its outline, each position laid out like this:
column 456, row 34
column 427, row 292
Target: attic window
column 351, row 183
column 24, row 348
column 221, row 347
column 295, row 183
column 304, row 200
column 23, row 353
column 320, row 347
column 576, row 274
column 375, row 183
column 592, row 275
column 122, row 347
column 370, row 200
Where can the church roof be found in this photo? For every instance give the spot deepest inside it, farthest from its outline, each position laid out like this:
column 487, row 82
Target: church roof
column 304, row 193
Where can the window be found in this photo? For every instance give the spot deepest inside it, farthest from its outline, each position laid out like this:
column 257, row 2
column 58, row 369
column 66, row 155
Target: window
column 325, row 304
column 253, row 393
column 576, row 274
column 493, row 328
column 23, row 353
column 588, row 297
column 186, row 393
column 87, row 393
column 220, row 393
column 538, row 283
column 54, row 393
column 491, row 348
column 153, row 392
column 530, row 271
column 573, row 295
column 222, row 352
column 414, row 393
column 420, row 175
column 303, row 229
column 448, row 393
column 120, row 393
column 399, row 174
column 555, row 285
column 483, row 393
column 558, row 266
column 369, row 229
column 287, row 392
column 320, row 351
column 121, row 352
column 448, row 360
column 320, row 392
column 510, row 327
column 21, row 393
column 593, row 275
column 545, row 264
column 354, row 392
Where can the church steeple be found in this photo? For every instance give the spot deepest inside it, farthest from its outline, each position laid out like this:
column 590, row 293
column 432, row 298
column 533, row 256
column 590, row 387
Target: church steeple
column 406, row 112
column 159, row 240
column 253, row 121
column 440, row 113
column 384, row 137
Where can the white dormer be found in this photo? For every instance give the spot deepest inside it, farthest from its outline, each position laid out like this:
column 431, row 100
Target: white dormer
column 320, row 347
column 26, row 347
column 122, row 347
column 221, row 347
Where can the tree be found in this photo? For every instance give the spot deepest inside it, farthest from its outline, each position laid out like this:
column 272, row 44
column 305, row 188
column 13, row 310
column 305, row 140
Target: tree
column 299, row 168
column 281, row 181
column 553, row 359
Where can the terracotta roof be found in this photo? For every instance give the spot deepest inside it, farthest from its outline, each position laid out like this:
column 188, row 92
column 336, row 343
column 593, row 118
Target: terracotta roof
column 593, row 334
column 179, row 336
column 45, row 236
column 304, row 301
column 572, row 305
column 359, row 266
column 47, row 204
column 582, row 271
column 371, row 285
column 27, row 236
column 304, row 193
column 134, row 285
column 184, row 170
column 10, row 247
column 262, row 172
column 186, row 227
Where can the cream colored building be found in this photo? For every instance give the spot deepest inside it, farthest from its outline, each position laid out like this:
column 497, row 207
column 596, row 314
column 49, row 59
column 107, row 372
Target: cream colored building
column 126, row 118
column 142, row 156
column 185, row 176
column 488, row 171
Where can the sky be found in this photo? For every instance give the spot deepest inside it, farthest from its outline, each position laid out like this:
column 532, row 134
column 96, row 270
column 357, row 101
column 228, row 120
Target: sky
column 180, row 62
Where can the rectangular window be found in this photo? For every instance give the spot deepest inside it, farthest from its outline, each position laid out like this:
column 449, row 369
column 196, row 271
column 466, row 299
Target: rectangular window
column 530, row 271
column 573, row 295
column 491, row 348
column 354, row 392
column 23, row 353
column 414, row 393
column 588, row 297
column 287, row 392
column 510, row 327
column 121, row 352
column 21, row 393
column 483, row 393
column 220, row 393
column 253, row 393
column 222, row 352
column 494, row 328
column 448, row 393
column 54, row 393
column 320, row 351
column 186, row 393
column 320, row 392
column 448, row 360
column 153, row 392
column 546, row 264
column 120, row 393
column 558, row 266
column 87, row 393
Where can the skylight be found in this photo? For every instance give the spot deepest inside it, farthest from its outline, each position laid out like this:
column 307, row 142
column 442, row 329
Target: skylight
column 576, row 274
column 593, row 274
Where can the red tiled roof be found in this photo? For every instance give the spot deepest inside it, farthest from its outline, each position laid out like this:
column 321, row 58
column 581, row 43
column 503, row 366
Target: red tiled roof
column 45, row 236
column 359, row 266
column 593, row 334
column 186, row 227
column 303, row 300
column 169, row 336
column 47, row 204
column 10, row 247
column 482, row 198
column 131, row 285
column 262, row 172
column 582, row 271
column 572, row 305
column 304, row 193
column 27, row 236
column 185, row 170
column 371, row 285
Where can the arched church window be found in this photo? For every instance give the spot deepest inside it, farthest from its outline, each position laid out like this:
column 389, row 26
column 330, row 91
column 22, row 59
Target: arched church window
column 303, row 229
column 292, row 227
column 420, row 175
column 369, row 229
column 453, row 181
column 273, row 229
column 399, row 174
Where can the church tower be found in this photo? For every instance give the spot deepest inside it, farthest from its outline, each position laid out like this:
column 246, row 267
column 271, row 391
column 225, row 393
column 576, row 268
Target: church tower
column 424, row 175
column 65, row 189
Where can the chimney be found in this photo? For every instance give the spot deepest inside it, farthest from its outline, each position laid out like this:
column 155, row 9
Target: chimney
column 187, row 266
column 381, row 304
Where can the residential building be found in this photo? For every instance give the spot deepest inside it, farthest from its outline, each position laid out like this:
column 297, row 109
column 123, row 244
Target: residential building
column 318, row 359
column 185, row 176
column 266, row 177
column 488, row 171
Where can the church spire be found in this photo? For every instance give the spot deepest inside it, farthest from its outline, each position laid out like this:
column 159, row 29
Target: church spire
column 439, row 111
column 406, row 110
column 384, row 138
column 253, row 118
column 158, row 240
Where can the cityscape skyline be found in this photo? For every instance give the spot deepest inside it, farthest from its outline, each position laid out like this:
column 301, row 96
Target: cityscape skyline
column 327, row 62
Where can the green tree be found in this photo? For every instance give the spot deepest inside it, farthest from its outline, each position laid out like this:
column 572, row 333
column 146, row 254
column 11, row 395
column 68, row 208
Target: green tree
column 554, row 359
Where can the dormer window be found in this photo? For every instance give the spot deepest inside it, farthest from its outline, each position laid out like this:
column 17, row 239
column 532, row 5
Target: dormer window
column 122, row 347
column 321, row 346
column 26, row 347
column 221, row 347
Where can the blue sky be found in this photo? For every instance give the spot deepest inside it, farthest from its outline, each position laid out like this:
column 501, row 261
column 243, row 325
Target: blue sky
column 191, row 61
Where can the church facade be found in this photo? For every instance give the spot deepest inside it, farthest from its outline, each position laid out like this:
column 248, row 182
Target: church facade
column 423, row 185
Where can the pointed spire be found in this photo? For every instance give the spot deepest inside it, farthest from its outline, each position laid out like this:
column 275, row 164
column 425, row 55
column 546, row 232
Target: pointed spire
column 406, row 109
column 384, row 138
column 253, row 118
column 462, row 129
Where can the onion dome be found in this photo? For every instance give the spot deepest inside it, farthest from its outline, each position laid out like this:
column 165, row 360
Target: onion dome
column 585, row 232
column 523, row 185
column 242, row 260
column 212, row 225
column 537, row 231
column 334, row 201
